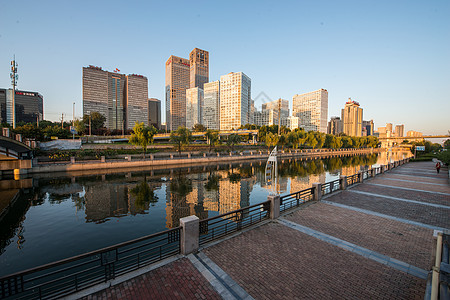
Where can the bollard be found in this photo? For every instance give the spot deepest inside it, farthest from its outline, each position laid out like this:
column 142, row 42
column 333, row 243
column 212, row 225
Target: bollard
column 189, row 155
column 129, row 158
column 171, row 156
column 274, row 206
column 102, row 158
column 231, row 153
column 72, row 159
column 152, row 157
column 204, row 154
column 317, row 191
column 218, row 154
column 343, row 182
column 189, row 234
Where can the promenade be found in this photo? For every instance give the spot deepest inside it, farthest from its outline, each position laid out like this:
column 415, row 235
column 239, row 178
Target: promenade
column 373, row 240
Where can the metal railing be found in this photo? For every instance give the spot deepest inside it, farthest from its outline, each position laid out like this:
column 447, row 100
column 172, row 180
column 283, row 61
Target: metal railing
column 70, row 275
column 217, row 227
column 352, row 179
column 296, row 199
column 330, row 187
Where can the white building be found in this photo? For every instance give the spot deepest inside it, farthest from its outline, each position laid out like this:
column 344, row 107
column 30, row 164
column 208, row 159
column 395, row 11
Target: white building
column 312, row 110
column 290, row 122
column 211, row 105
column 278, row 105
column 267, row 117
column 235, row 100
column 194, row 103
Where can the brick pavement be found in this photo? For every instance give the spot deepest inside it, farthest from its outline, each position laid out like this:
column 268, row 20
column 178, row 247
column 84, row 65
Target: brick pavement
column 415, row 177
column 413, row 185
column 177, row 280
column 276, row 262
column 405, row 242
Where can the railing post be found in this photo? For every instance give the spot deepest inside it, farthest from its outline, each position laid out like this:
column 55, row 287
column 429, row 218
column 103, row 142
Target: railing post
column 361, row 176
column 317, row 191
column 382, row 169
column 204, row 154
column 72, row 159
column 102, row 158
column 218, row 154
column 189, row 234
column 189, row 155
column 274, row 206
column 343, row 182
column 152, row 157
column 171, row 156
column 373, row 172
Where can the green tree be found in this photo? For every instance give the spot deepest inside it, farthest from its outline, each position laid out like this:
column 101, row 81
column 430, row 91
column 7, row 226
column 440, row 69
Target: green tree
column 56, row 131
column 29, row 131
column 144, row 194
column 283, row 140
column 213, row 138
column 293, row 138
column 347, row 142
column 311, row 139
column 142, row 135
column 80, row 126
column 271, row 140
column 447, row 144
column 181, row 137
column 199, row 128
column 97, row 120
column 233, row 139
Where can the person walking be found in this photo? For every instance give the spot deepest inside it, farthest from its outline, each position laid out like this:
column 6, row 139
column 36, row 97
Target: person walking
column 438, row 166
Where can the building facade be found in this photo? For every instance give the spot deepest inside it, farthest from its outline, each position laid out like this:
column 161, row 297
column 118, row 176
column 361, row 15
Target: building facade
column 279, row 105
column 211, row 105
column 334, row 126
column 352, row 116
column 368, row 127
column 400, row 130
column 266, row 117
column 235, row 100
column 136, row 100
column 312, row 110
column 154, row 113
column 194, row 104
column 29, row 106
column 290, row 122
column 199, row 68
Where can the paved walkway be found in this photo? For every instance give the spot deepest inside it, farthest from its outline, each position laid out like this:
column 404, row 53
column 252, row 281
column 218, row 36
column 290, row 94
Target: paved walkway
column 371, row 241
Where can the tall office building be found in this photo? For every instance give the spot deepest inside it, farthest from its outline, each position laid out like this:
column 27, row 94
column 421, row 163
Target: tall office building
column 194, row 104
column 389, row 127
column 211, row 105
column 136, row 100
column 334, row 126
column 105, row 92
column 29, row 106
column 352, row 116
column 278, row 105
column 235, row 100
column 369, row 127
column 177, row 82
column 312, row 110
column 290, row 122
column 400, row 130
column 199, row 68
column 266, row 117
column 154, row 113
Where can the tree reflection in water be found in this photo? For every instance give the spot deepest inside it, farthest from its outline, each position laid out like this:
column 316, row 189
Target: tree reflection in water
column 144, row 195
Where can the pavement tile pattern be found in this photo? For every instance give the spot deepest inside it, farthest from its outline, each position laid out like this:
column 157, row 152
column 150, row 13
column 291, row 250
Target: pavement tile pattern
column 177, row 280
column 413, row 185
column 276, row 262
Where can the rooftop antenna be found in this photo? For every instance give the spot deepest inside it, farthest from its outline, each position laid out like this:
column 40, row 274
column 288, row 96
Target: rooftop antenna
column 14, row 78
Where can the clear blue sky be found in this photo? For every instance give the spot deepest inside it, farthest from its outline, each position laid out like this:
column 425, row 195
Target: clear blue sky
column 391, row 56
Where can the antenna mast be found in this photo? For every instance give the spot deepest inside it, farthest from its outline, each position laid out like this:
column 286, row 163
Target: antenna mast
column 14, row 78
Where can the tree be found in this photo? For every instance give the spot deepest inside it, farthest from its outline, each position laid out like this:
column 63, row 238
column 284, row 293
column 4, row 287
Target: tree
column 271, row 139
column 57, row 131
column 347, row 142
column 293, row 138
column 232, row 140
column 144, row 194
column 199, row 128
column 181, row 137
column 213, row 138
column 311, row 139
column 283, row 140
column 142, row 135
column 80, row 126
column 97, row 120
column 29, row 131
column 447, row 144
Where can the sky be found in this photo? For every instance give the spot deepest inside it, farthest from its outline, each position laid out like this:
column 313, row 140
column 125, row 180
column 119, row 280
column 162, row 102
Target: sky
column 393, row 57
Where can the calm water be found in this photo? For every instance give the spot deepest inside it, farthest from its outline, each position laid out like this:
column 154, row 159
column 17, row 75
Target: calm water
column 55, row 218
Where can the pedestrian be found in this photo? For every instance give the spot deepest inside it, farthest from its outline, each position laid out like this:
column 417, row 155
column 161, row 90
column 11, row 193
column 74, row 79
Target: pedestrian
column 438, row 166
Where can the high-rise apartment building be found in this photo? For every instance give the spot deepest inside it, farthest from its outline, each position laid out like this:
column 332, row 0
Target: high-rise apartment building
column 400, row 130
column 267, row 117
column 312, row 110
column 290, row 122
column 136, row 100
column 154, row 113
column 334, row 126
column 389, row 127
column 235, row 100
column 29, row 106
column 211, row 105
column 177, row 82
column 194, row 104
column 352, row 116
column 199, row 68
column 368, row 127
column 280, row 105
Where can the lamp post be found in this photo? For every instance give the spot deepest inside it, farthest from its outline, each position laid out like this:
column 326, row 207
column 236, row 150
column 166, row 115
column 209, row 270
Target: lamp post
column 73, row 122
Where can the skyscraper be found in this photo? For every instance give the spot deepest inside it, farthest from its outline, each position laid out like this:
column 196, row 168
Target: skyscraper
column 400, row 130
column 136, row 100
column 199, row 68
column 312, row 110
column 369, row 126
column 177, row 81
column 29, row 106
column 211, row 105
column 280, row 104
column 154, row 113
column 352, row 116
column 194, row 103
column 235, row 100
column 334, row 126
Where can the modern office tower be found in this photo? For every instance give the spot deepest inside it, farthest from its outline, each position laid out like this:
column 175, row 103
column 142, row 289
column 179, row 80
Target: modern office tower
column 352, row 116
column 136, row 108
column 266, row 117
column 154, row 113
column 312, row 110
column 177, row 82
column 194, row 104
column 290, row 122
column 29, row 106
column 211, row 105
column 278, row 105
column 199, row 68
column 400, row 130
column 235, row 100
column 389, row 127
column 105, row 92
column 334, row 126
column 369, row 127
column 252, row 112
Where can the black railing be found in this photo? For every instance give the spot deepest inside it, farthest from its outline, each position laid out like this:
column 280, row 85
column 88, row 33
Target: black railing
column 67, row 276
column 352, row 179
column 366, row 174
column 295, row 199
column 329, row 187
column 222, row 225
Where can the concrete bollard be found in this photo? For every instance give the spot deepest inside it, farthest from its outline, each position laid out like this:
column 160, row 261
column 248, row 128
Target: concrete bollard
column 171, row 156
column 189, row 234
column 129, row 158
column 218, row 154
column 72, row 159
column 343, row 182
column 231, row 153
column 189, row 155
column 204, row 154
column 152, row 157
column 274, row 206
column 102, row 158
column 317, row 191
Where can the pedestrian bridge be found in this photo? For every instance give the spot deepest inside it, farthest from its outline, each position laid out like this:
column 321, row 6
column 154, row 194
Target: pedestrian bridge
column 14, row 154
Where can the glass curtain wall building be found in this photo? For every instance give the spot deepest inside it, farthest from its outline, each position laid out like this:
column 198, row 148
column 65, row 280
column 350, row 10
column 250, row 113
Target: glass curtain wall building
column 312, row 110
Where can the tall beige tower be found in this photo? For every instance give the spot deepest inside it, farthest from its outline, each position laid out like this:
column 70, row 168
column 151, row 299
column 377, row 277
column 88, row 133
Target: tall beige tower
column 177, row 81
column 136, row 100
column 199, row 68
column 312, row 110
column 352, row 117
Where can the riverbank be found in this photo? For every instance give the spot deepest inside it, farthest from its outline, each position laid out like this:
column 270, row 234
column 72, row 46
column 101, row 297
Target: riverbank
column 188, row 159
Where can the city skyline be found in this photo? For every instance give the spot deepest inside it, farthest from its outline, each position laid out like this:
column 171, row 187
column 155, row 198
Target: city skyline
column 389, row 67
